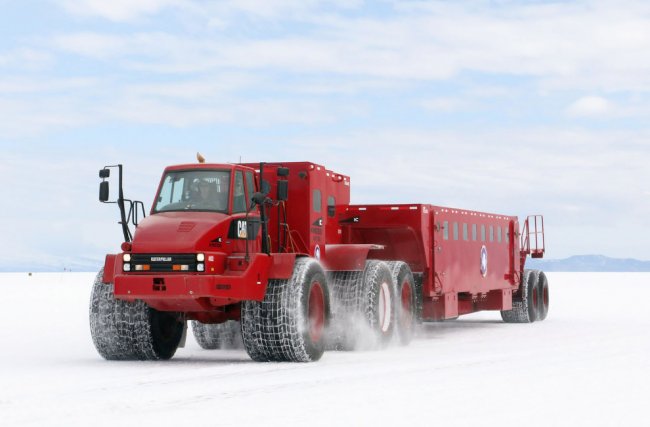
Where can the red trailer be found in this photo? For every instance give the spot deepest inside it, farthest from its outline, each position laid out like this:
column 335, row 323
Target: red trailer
column 276, row 254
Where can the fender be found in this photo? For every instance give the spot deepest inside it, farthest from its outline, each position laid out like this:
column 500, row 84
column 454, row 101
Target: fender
column 348, row 257
column 282, row 267
column 109, row 269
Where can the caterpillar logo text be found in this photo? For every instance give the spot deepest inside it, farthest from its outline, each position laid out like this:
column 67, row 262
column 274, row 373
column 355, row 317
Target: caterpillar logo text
column 242, row 232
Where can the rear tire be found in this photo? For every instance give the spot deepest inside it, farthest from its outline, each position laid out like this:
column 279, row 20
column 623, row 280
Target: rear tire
column 365, row 319
column 290, row 323
column 405, row 300
column 226, row 335
column 123, row 330
column 525, row 305
column 542, row 283
column 344, row 289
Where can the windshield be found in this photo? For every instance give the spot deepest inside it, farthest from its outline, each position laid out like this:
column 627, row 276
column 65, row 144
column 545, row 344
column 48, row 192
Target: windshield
column 197, row 190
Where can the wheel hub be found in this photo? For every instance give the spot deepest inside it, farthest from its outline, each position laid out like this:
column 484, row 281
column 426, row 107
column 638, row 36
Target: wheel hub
column 407, row 310
column 384, row 307
column 316, row 312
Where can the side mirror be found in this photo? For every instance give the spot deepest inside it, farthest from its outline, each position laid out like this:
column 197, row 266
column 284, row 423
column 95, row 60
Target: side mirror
column 103, row 191
column 104, row 173
column 258, row 198
column 283, row 190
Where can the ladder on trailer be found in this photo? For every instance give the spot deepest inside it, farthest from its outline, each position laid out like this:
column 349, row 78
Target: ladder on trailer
column 532, row 237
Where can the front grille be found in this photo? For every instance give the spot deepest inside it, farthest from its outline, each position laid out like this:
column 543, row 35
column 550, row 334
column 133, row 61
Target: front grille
column 164, row 263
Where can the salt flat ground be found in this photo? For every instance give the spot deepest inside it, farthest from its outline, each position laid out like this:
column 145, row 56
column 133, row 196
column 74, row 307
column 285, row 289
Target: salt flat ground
column 587, row 364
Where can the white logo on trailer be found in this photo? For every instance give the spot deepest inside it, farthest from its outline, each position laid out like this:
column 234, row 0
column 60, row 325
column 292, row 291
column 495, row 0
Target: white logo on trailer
column 484, row 261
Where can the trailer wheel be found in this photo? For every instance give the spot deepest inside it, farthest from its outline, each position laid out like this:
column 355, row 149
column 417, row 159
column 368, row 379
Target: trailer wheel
column 542, row 283
column 226, row 335
column 124, row 330
column 365, row 319
column 525, row 305
column 405, row 300
column 344, row 294
column 290, row 323
column 377, row 303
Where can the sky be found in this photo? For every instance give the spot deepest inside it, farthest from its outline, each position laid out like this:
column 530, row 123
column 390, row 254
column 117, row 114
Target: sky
column 511, row 107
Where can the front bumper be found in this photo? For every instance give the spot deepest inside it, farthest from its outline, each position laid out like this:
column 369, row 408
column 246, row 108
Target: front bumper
column 189, row 292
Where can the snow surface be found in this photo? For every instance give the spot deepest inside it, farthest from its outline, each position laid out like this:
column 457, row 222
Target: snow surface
column 587, row 364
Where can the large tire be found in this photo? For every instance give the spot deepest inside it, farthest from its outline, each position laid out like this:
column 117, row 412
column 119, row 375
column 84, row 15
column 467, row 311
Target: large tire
column 365, row 314
column 419, row 297
column 542, row 283
column 345, row 287
column 226, row 335
column 405, row 300
column 525, row 305
column 290, row 323
column 124, row 330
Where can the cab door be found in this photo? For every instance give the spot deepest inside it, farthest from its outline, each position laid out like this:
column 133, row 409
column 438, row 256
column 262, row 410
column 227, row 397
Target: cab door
column 244, row 227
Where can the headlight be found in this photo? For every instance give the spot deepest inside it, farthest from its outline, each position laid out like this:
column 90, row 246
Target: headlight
column 200, row 257
column 126, row 257
column 200, row 267
column 127, row 267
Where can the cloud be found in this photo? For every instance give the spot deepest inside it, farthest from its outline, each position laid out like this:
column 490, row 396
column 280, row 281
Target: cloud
column 217, row 14
column 95, row 45
column 545, row 169
column 307, row 51
column 22, row 85
column 258, row 112
column 26, row 58
column 28, row 118
column 589, row 106
column 445, row 105
column 116, row 10
column 595, row 45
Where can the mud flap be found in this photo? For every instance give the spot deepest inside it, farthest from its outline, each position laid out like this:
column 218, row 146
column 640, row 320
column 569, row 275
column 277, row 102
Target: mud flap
column 184, row 337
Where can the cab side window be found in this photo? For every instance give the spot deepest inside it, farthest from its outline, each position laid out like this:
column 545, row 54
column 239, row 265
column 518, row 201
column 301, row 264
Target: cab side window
column 317, row 201
column 250, row 187
column 239, row 196
column 331, row 206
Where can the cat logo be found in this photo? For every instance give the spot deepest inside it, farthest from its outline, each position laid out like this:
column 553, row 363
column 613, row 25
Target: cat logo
column 242, row 229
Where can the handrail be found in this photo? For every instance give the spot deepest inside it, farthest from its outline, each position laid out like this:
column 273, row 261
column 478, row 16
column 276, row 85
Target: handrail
column 532, row 237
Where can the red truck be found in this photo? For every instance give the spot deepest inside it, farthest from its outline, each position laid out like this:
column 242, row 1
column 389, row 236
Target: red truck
column 275, row 253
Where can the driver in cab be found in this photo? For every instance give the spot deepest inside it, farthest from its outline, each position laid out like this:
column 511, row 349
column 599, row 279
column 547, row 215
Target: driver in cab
column 207, row 198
